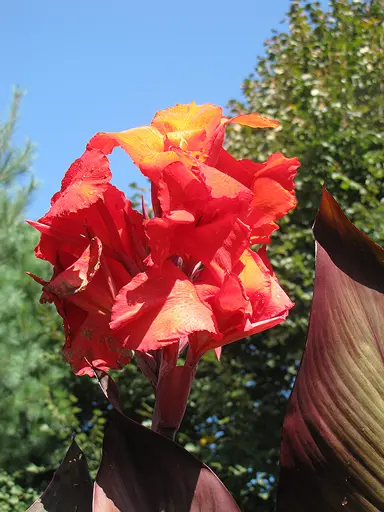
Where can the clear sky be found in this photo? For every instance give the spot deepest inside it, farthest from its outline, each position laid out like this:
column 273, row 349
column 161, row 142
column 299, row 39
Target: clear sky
column 92, row 66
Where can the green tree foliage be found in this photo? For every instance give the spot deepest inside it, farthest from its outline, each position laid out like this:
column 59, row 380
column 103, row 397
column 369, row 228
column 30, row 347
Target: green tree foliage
column 31, row 415
column 322, row 80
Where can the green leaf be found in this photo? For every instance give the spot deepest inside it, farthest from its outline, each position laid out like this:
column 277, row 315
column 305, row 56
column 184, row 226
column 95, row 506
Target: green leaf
column 332, row 453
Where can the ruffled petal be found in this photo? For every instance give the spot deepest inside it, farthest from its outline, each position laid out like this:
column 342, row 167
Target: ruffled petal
column 165, row 235
column 218, row 244
column 231, row 305
column 227, row 164
column 58, row 236
column 159, row 307
column 92, row 343
column 244, row 304
column 188, row 119
column 179, row 188
column 267, row 297
column 111, row 219
column 272, row 200
column 254, row 120
column 145, row 145
column 83, row 184
column 256, row 280
column 273, row 189
column 216, row 141
column 76, row 278
column 226, row 194
column 278, row 168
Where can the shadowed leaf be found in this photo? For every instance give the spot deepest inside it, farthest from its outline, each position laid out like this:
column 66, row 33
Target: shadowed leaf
column 108, row 387
column 145, row 472
column 70, row 489
column 332, row 453
column 350, row 249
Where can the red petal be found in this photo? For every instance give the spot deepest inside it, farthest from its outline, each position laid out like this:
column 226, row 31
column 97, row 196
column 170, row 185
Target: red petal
column 218, row 353
column 83, row 184
column 267, row 297
column 111, row 219
column 271, row 202
column 262, row 252
column 226, row 193
column 216, row 141
column 231, row 304
column 180, row 189
column 273, row 190
column 165, row 233
column 244, row 305
column 227, row 164
column 159, row 307
column 76, row 278
column 256, row 280
column 272, row 185
column 94, row 342
column 277, row 167
column 218, row 244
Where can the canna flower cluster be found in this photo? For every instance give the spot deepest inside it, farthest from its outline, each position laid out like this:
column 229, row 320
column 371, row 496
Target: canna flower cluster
column 184, row 279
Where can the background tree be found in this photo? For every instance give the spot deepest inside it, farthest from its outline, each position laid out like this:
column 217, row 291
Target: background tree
column 34, row 400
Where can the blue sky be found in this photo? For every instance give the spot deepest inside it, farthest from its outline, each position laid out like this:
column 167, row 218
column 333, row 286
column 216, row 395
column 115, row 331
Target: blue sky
column 102, row 66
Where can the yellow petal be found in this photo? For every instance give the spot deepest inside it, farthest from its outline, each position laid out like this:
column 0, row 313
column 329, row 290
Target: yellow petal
column 188, row 117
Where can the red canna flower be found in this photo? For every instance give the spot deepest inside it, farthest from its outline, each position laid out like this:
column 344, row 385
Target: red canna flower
column 96, row 243
column 184, row 279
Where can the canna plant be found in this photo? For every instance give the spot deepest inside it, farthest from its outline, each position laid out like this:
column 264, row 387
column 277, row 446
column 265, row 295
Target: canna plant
column 193, row 277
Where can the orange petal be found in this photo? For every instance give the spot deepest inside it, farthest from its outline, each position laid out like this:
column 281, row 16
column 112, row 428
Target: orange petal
column 256, row 281
column 255, row 121
column 145, row 145
column 190, row 117
column 268, row 299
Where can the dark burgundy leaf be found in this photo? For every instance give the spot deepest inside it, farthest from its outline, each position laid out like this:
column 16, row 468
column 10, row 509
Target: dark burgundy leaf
column 332, row 453
column 70, row 489
column 108, row 387
column 142, row 471
column 351, row 250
